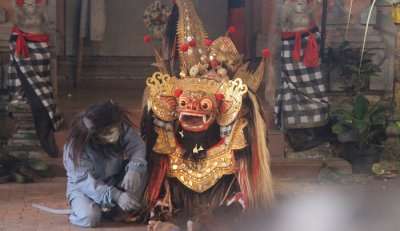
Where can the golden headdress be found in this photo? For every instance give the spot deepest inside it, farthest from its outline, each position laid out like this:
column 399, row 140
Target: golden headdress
column 218, row 63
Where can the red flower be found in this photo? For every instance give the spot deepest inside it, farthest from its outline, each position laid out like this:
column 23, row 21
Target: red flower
column 266, row 53
column 20, row 2
column 232, row 29
column 178, row 92
column 184, row 47
column 208, row 42
column 147, row 39
column 192, row 43
column 219, row 97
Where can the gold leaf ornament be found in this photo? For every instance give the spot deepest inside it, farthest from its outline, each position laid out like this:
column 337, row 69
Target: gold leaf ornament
column 233, row 91
column 161, row 96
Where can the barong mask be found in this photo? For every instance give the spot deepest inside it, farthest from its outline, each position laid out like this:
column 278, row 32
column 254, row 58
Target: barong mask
column 211, row 83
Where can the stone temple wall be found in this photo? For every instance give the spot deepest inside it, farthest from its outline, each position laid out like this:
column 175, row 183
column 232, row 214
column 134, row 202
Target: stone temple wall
column 380, row 38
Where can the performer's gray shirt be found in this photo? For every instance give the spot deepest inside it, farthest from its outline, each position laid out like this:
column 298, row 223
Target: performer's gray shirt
column 96, row 174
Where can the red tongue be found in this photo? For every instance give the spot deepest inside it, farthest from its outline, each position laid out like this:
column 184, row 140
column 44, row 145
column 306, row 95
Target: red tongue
column 193, row 120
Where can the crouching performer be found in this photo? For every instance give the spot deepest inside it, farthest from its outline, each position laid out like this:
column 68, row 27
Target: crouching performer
column 105, row 163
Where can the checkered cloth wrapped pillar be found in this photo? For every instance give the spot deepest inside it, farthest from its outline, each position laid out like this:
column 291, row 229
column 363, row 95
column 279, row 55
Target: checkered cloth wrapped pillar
column 36, row 69
column 301, row 100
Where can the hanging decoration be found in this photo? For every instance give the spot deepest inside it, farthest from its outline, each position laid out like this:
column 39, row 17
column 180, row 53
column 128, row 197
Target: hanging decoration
column 156, row 18
column 366, row 34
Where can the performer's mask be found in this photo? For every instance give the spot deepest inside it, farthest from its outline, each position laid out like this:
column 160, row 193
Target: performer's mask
column 109, row 135
column 104, row 122
column 196, row 110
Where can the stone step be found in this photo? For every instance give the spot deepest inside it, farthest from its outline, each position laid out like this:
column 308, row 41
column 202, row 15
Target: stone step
column 109, row 67
column 307, row 168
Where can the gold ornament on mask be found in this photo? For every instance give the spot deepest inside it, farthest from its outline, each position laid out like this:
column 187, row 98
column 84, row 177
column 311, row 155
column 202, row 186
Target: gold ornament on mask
column 253, row 80
column 200, row 176
column 161, row 99
column 224, row 51
column 190, row 27
column 233, row 92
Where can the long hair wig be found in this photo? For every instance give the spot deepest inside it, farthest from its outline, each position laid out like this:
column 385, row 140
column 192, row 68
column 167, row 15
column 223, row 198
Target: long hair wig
column 88, row 123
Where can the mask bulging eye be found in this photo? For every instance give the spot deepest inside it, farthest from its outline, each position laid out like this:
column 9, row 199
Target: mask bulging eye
column 206, row 104
column 182, row 103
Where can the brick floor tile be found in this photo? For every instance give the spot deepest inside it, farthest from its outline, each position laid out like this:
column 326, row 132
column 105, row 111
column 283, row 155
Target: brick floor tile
column 17, row 213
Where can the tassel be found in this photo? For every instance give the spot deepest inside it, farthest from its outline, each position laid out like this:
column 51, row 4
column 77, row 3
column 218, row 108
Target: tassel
column 297, row 47
column 311, row 54
column 21, row 47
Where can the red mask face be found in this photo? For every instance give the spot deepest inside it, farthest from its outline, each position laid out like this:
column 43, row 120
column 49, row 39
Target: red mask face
column 196, row 110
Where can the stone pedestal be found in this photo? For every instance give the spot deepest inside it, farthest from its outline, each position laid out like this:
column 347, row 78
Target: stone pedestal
column 3, row 118
column 24, row 141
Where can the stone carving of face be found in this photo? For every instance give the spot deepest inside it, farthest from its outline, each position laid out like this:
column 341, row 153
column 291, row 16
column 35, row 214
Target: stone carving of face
column 30, row 14
column 29, row 7
column 300, row 6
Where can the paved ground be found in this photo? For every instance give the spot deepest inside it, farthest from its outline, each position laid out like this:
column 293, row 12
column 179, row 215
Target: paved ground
column 372, row 199
column 16, row 213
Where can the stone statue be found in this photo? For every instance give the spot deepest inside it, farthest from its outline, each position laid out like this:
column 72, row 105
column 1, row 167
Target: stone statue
column 29, row 69
column 301, row 103
column 298, row 14
column 31, row 15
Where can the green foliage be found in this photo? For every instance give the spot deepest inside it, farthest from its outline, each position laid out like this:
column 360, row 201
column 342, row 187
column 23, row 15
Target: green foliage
column 365, row 121
column 347, row 59
column 21, row 168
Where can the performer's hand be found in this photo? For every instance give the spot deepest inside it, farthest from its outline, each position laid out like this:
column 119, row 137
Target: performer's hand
column 127, row 203
column 131, row 180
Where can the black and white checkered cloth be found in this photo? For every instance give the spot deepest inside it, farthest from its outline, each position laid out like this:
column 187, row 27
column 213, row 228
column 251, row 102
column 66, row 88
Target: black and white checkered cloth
column 36, row 69
column 301, row 100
